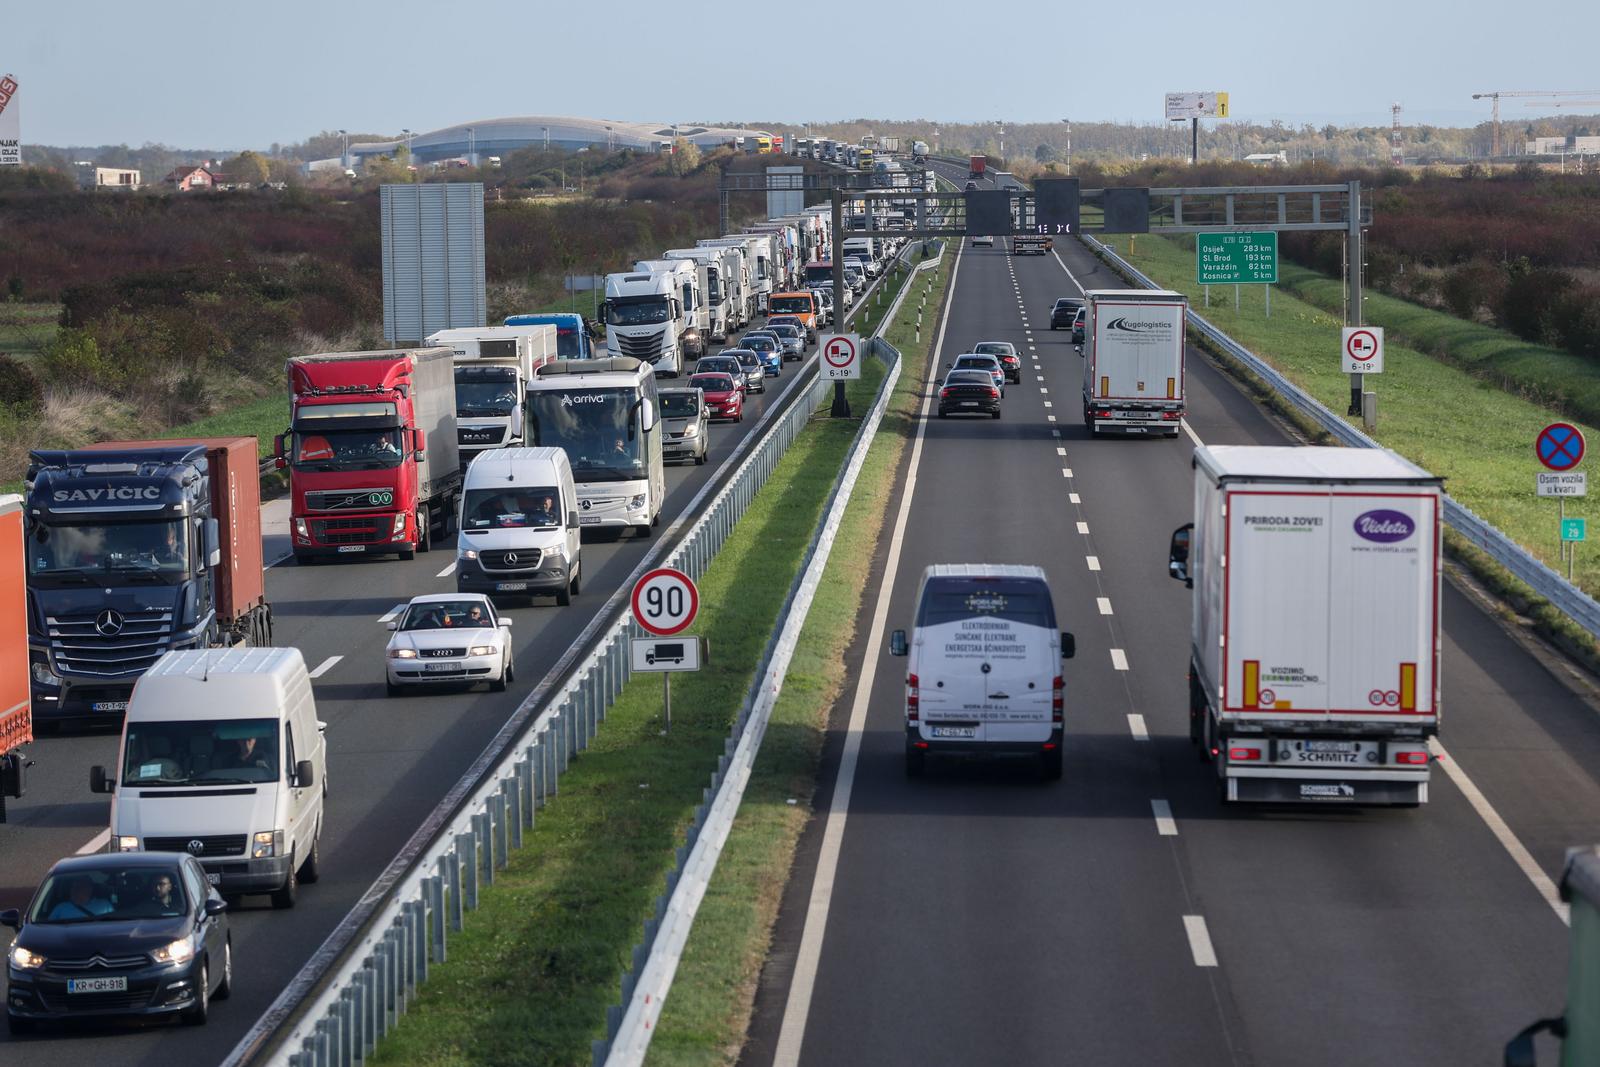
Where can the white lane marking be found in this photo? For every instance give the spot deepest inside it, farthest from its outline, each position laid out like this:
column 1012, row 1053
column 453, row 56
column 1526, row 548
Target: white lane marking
column 1137, row 727
column 325, row 666
column 1083, row 527
column 1190, row 431
column 1199, row 941
column 1057, row 435
column 1072, row 498
column 1063, row 266
column 448, row 571
column 1066, row 472
column 97, row 842
column 391, row 613
column 1093, row 561
column 1104, row 604
column 1166, row 825
column 1051, row 418
column 1060, row 451
column 1048, row 404
column 1042, row 389
column 796, row 1009
column 1497, row 826
column 1119, row 660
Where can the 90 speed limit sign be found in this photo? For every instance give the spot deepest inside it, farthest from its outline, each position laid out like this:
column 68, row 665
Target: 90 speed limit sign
column 665, row 601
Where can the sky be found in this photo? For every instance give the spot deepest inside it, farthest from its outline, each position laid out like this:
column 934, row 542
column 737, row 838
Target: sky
column 235, row 76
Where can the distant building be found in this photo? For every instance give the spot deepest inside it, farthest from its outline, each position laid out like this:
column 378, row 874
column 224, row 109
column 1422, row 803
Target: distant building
column 92, row 177
column 193, row 179
column 1268, row 159
column 1570, row 145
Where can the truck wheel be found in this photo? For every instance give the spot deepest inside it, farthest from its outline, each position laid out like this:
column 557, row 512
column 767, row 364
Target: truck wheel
column 564, row 595
column 407, row 553
column 285, row 897
column 424, row 530
column 577, row 579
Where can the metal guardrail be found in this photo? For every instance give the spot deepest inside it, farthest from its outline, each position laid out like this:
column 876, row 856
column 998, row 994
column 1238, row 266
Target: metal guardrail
column 1571, row 601
column 630, row 1025
column 352, row 991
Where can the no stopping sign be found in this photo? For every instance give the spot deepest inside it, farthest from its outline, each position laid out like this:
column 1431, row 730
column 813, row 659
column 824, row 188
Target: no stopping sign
column 841, row 356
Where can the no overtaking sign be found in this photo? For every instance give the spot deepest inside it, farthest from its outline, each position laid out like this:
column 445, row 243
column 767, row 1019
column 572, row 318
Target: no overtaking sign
column 841, row 356
column 1363, row 349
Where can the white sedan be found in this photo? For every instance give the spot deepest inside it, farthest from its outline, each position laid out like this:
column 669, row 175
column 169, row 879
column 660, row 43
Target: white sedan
column 443, row 638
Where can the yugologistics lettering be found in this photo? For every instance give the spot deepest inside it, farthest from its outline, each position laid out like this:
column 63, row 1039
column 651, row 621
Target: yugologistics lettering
column 1139, row 325
column 114, row 492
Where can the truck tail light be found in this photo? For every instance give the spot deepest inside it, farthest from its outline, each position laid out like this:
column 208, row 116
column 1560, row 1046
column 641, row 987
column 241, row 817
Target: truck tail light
column 1056, row 686
column 1416, row 758
column 913, row 699
column 1172, row 416
column 1244, row 755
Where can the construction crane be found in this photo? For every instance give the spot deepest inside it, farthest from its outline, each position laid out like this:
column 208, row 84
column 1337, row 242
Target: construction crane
column 1396, row 156
column 1547, row 98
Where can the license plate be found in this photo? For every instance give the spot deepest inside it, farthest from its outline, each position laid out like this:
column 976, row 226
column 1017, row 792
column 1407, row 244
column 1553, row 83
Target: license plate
column 1331, row 746
column 510, row 587
column 118, row 984
column 352, row 548
column 214, row 878
column 953, row 731
column 109, row 705
column 969, row 403
column 588, row 520
column 440, row 667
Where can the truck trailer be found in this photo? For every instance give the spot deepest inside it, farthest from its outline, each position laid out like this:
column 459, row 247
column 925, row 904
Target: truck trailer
column 976, row 166
column 16, row 719
column 493, row 367
column 1314, row 638
column 1133, row 361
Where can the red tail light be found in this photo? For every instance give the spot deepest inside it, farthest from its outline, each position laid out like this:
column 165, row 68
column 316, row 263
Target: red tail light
column 913, row 700
column 1103, row 414
column 994, row 393
column 1411, row 757
column 1172, row 416
column 944, row 394
column 1244, row 755
column 1056, row 686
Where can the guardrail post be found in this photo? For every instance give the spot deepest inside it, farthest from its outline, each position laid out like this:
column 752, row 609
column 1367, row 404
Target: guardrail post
column 450, row 872
column 467, row 844
column 502, row 832
column 327, row 1037
column 391, row 982
column 380, row 991
column 367, row 992
column 435, row 887
column 483, row 830
column 513, row 789
column 541, row 760
column 406, row 952
column 349, row 1006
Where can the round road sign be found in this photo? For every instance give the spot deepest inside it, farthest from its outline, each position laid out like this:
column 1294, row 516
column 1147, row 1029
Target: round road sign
column 840, row 351
column 665, row 601
column 1559, row 446
column 1361, row 345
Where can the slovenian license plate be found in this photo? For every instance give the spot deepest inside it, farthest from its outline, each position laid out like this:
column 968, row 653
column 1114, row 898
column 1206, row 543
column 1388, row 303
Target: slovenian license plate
column 588, row 520
column 510, row 587
column 352, row 548
column 109, row 705
column 213, row 877
column 117, row 984
column 953, row 731
column 440, row 667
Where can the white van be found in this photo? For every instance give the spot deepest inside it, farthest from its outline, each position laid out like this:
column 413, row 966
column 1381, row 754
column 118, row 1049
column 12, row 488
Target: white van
column 223, row 757
column 985, row 670
column 518, row 533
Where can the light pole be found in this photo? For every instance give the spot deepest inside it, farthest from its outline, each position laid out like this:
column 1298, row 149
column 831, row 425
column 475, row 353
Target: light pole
column 344, row 149
column 609, row 145
column 472, row 147
column 408, row 135
column 547, row 138
column 1069, row 144
column 1002, row 128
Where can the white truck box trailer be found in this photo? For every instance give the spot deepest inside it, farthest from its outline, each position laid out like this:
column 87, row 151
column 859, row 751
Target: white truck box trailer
column 1133, row 372
column 1314, row 661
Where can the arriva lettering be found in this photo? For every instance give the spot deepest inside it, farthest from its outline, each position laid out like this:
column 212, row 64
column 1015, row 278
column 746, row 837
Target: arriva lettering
column 567, row 399
column 115, row 492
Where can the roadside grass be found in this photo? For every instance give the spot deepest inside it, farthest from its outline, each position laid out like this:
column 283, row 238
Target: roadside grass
column 530, row 978
column 708, row 1012
column 263, row 419
column 26, row 328
column 1468, row 430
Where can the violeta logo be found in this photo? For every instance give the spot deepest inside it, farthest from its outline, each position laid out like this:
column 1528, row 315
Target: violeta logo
column 1384, row 526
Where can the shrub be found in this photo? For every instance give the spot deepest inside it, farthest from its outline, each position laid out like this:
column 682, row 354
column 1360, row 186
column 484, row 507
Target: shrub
column 1473, row 286
column 73, row 359
column 20, row 393
column 1525, row 307
column 1575, row 320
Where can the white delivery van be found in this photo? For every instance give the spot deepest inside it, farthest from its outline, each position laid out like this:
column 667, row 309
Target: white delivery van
column 223, row 757
column 518, row 533
column 984, row 676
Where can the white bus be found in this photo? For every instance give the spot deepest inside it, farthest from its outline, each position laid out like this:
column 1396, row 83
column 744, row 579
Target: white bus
column 605, row 414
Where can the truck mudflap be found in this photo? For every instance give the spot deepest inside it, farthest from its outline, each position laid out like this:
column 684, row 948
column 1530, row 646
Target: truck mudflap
column 1404, row 789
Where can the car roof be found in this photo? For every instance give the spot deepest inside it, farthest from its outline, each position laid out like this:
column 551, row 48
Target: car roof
column 96, row 861
column 447, row 598
column 1007, row 344
column 964, row 374
column 976, row 356
column 733, row 352
column 687, row 390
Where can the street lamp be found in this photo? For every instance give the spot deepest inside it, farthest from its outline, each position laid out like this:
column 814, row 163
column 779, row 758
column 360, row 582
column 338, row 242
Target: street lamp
column 408, row 135
column 1000, row 126
column 1069, row 144
column 609, row 145
column 547, row 138
column 344, row 149
column 472, row 147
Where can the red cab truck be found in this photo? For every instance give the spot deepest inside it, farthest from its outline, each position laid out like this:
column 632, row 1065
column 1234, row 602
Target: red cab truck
column 16, row 722
column 372, row 452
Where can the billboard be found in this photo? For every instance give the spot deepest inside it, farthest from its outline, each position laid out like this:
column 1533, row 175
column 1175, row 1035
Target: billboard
column 433, row 269
column 1182, row 106
column 10, row 124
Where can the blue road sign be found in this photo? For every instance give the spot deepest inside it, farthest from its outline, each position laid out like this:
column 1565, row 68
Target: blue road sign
column 1560, row 446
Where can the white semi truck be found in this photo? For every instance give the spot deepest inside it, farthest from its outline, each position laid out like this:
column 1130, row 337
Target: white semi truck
column 759, row 252
column 1314, row 661
column 645, row 320
column 694, row 304
column 493, row 366
column 1133, row 361
column 721, row 278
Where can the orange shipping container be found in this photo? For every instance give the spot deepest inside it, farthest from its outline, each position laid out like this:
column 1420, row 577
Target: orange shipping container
column 16, row 724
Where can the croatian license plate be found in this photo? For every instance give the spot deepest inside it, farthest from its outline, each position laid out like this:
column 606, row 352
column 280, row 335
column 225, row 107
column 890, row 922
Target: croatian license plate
column 440, row 667
column 1331, row 746
column 953, row 731
column 352, row 548
column 510, row 587
column 109, row 705
column 117, row 984
column 213, row 877
column 588, row 520
column 969, row 403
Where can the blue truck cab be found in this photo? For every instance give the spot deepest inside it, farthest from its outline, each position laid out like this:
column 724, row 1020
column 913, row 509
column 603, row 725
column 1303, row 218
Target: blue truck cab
column 573, row 340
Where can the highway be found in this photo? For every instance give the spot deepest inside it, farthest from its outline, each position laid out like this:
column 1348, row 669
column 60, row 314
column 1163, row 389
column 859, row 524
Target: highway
column 1123, row 915
column 390, row 759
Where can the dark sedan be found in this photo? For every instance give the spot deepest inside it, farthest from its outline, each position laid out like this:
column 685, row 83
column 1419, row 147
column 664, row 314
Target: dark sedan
column 1078, row 322
column 122, row 933
column 1061, row 315
column 969, row 392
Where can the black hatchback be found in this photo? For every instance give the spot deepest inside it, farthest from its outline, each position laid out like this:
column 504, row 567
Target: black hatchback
column 1061, row 315
column 121, row 933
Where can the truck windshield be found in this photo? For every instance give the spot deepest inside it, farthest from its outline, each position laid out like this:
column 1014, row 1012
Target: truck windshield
column 819, row 274
column 792, row 305
column 158, row 549
column 171, row 754
column 643, row 312
column 481, row 393
column 325, row 449
column 599, row 429
column 1019, row 600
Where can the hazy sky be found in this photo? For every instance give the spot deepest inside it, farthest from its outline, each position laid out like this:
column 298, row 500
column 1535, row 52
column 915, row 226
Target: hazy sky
column 234, row 75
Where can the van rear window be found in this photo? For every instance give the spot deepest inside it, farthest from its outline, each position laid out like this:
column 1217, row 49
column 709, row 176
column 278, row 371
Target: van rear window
column 1019, row 600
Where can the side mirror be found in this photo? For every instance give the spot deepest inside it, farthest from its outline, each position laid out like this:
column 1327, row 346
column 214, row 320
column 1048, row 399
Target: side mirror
column 216, row 906
column 304, row 775
column 11, row 917
column 1178, row 554
column 98, row 782
column 418, row 440
column 1078, row 349
column 505, row 624
column 897, row 643
column 1519, row 1050
column 392, row 624
column 213, row 544
column 572, row 518
column 279, row 459
column 1069, row 645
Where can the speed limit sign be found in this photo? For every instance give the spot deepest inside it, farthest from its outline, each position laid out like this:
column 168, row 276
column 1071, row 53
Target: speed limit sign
column 665, row 601
column 841, row 356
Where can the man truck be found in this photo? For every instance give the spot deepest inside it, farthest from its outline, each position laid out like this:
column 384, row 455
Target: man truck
column 1133, row 361
column 493, row 367
column 135, row 549
column 372, row 451
column 1314, row 637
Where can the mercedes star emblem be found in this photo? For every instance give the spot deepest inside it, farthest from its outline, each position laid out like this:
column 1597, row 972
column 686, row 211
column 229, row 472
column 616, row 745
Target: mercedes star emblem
column 511, row 557
column 585, row 505
column 196, row 846
column 108, row 623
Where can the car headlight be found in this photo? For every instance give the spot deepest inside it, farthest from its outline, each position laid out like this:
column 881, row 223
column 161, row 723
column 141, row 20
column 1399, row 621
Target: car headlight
column 44, row 675
column 402, row 653
column 177, row 952
column 692, row 430
column 127, row 844
column 482, row 650
column 467, row 553
column 24, row 960
column 266, row 844
column 637, row 502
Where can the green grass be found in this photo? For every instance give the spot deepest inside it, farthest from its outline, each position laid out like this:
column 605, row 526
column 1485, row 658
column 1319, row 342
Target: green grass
column 26, row 328
column 262, row 419
column 706, row 1016
column 1470, row 431
column 530, row 978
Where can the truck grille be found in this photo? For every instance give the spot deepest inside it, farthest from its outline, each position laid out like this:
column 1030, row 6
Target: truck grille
column 643, row 346
column 214, row 845
column 480, row 436
column 110, row 644
column 527, row 559
column 348, row 499
column 352, row 531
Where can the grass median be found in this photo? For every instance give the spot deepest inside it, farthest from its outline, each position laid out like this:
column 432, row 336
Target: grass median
column 706, row 1015
column 529, row 979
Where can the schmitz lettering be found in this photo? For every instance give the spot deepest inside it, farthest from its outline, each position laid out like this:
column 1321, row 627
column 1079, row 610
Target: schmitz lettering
column 115, row 492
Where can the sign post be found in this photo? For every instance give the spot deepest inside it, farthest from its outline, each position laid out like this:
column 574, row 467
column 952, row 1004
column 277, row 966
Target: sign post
column 1560, row 447
column 665, row 602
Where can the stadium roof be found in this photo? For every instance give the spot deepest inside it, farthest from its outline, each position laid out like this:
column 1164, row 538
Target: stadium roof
column 505, row 135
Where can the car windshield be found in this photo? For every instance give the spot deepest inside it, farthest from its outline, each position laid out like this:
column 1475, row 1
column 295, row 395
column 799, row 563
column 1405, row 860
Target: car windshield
column 946, row 600
column 973, row 377
column 156, row 549
column 200, row 752
column 976, row 363
column 748, row 360
column 645, row 311
column 679, row 405
column 717, row 365
column 485, row 393
column 713, row 383
column 329, row 449
column 109, row 892
column 994, row 348
column 783, row 329
column 446, row 615
column 511, row 507
column 757, row 344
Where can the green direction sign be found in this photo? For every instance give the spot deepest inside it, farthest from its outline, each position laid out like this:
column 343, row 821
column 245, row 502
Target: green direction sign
column 1236, row 258
column 1573, row 529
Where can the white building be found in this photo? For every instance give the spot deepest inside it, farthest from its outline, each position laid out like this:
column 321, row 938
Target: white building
column 1557, row 146
column 92, row 177
column 1268, row 159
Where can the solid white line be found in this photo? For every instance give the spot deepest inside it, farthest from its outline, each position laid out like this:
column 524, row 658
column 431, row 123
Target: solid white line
column 1497, row 826
column 1093, row 561
column 1104, row 604
column 1057, row 434
column 97, row 842
column 1166, row 825
column 1083, row 527
column 1137, row 727
column 325, row 666
column 448, row 571
column 391, row 613
column 1072, row 498
column 792, row 1032
column 1119, row 660
column 1063, row 265
column 1199, row 941
column 1190, row 431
